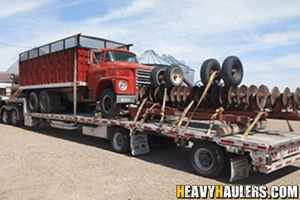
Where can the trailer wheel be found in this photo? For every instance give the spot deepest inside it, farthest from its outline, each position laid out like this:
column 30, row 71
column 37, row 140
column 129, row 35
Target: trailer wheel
column 119, row 139
column 33, row 102
column 174, row 76
column 207, row 68
column 232, row 71
column 108, row 104
column 46, row 102
column 5, row 116
column 157, row 76
column 207, row 159
column 16, row 118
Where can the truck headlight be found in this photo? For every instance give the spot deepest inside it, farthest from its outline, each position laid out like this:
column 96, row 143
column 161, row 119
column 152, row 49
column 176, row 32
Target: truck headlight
column 123, row 85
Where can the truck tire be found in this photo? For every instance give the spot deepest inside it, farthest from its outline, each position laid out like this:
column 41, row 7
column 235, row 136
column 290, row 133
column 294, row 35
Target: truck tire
column 46, row 102
column 119, row 139
column 174, row 76
column 108, row 104
column 207, row 68
column 16, row 118
column 157, row 76
column 5, row 116
column 207, row 159
column 33, row 102
column 232, row 71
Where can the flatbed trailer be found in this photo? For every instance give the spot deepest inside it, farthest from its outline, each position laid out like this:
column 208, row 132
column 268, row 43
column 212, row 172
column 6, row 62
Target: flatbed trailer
column 261, row 151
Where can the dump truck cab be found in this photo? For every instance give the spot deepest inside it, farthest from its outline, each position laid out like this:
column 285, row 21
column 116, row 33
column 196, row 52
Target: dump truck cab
column 81, row 70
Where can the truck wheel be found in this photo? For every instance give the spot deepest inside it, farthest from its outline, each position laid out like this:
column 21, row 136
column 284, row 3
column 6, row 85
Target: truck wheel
column 207, row 68
column 108, row 104
column 232, row 71
column 120, row 139
column 5, row 116
column 33, row 102
column 174, row 76
column 207, row 159
column 46, row 102
column 157, row 76
column 16, row 119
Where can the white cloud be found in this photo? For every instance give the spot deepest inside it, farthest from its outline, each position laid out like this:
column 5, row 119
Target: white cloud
column 135, row 8
column 12, row 7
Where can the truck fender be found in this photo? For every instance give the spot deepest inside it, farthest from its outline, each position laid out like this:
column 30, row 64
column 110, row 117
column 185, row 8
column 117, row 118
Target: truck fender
column 102, row 84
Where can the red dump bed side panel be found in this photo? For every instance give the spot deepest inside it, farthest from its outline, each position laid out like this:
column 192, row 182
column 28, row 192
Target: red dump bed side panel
column 57, row 67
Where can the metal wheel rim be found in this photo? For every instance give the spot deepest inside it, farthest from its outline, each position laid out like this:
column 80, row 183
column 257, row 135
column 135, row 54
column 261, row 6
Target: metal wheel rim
column 107, row 103
column 203, row 159
column 14, row 117
column 43, row 102
column 31, row 106
column 236, row 72
column 5, row 116
column 118, row 141
column 176, row 76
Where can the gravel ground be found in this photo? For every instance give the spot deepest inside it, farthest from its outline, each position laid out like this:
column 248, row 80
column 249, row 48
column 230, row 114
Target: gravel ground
column 58, row 164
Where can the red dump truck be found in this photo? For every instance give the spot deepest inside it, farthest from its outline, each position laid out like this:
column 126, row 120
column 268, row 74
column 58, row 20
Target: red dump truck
column 63, row 83
column 83, row 69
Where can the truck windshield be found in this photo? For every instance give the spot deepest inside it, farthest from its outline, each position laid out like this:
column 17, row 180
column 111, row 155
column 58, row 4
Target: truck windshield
column 120, row 56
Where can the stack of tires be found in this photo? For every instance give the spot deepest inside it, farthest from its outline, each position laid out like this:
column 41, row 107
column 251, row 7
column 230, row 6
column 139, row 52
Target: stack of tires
column 169, row 76
column 231, row 72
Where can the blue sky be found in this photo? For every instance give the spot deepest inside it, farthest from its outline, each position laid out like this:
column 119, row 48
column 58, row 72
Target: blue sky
column 264, row 34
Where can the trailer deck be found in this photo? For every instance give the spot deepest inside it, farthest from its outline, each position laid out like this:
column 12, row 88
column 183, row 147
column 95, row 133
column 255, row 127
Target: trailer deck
column 269, row 150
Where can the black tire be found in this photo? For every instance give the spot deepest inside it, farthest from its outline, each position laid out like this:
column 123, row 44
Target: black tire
column 16, row 118
column 157, row 76
column 33, row 102
column 174, row 76
column 108, row 104
column 46, row 104
column 207, row 68
column 232, row 71
column 212, row 160
column 5, row 116
column 119, row 139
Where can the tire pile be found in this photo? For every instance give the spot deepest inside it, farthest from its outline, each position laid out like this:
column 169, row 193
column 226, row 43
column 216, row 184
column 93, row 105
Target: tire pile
column 225, row 90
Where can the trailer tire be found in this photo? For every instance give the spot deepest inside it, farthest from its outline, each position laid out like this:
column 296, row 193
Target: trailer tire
column 108, row 104
column 207, row 68
column 207, row 159
column 156, row 74
column 174, row 76
column 33, row 102
column 16, row 118
column 5, row 116
column 119, row 139
column 46, row 102
column 232, row 71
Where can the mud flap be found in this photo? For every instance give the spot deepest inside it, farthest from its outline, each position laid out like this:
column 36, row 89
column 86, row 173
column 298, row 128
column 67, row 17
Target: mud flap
column 239, row 168
column 139, row 144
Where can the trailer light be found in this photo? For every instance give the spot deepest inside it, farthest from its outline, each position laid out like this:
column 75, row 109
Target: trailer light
column 123, row 85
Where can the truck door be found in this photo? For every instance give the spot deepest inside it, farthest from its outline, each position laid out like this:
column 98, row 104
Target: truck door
column 96, row 68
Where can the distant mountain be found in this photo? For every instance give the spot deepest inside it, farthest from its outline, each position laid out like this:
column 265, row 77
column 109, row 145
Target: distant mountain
column 14, row 68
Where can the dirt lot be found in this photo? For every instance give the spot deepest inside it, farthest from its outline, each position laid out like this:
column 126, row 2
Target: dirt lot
column 56, row 164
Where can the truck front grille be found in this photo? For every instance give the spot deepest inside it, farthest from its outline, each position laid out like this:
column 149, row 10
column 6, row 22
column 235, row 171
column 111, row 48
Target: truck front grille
column 143, row 77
